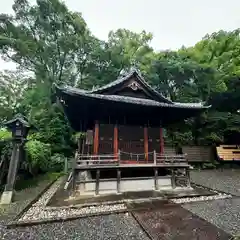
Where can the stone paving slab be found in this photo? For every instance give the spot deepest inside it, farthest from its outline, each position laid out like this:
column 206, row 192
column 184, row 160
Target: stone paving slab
column 223, row 213
column 170, row 223
column 222, row 180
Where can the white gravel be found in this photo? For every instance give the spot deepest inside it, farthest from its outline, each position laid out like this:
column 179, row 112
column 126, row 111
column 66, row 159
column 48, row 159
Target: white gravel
column 38, row 210
column 201, row 198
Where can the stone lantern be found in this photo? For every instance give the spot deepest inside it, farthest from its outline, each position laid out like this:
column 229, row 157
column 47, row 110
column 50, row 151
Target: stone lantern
column 19, row 126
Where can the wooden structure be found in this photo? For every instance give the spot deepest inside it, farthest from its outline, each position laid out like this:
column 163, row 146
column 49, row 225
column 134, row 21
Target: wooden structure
column 198, row 154
column 98, row 163
column 228, row 152
column 126, row 116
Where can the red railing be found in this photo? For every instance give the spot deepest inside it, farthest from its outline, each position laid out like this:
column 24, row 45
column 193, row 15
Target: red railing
column 132, row 158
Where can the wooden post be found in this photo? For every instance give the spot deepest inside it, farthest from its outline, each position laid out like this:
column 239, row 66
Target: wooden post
column 156, row 178
column 188, row 178
column 154, row 157
column 115, row 141
column 161, row 140
column 65, row 165
column 97, row 182
column 119, row 157
column 173, row 179
column 96, row 138
column 74, row 163
column 146, row 143
column 118, row 180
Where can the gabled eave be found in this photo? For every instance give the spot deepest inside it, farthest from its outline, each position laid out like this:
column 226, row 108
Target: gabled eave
column 156, row 95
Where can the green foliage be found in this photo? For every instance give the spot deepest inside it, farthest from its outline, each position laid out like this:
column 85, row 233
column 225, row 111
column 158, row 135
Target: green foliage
column 78, row 135
column 57, row 162
column 5, row 134
column 56, row 46
column 39, row 155
column 5, row 143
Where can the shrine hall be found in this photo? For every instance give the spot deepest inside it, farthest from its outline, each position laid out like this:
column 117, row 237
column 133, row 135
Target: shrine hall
column 127, row 115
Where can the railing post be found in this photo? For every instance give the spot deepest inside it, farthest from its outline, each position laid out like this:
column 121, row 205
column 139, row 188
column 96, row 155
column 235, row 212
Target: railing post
column 74, row 163
column 119, row 159
column 155, row 157
column 118, row 180
column 156, row 179
column 173, row 179
column 65, row 165
column 188, row 178
column 97, row 182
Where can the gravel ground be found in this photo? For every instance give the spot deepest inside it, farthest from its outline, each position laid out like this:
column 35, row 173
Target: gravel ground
column 22, row 199
column 202, row 198
column 39, row 212
column 224, row 213
column 116, row 226
column 226, row 180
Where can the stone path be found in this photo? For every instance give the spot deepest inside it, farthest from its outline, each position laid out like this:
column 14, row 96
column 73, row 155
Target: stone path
column 176, row 223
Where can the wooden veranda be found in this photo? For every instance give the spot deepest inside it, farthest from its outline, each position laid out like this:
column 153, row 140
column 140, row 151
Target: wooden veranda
column 177, row 164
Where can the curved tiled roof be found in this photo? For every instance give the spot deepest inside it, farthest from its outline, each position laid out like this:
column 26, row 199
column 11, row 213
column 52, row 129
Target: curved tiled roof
column 131, row 100
column 125, row 78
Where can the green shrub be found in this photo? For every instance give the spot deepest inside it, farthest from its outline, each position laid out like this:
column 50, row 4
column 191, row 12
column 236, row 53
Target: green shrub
column 5, row 144
column 38, row 156
column 5, row 134
column 57, row 162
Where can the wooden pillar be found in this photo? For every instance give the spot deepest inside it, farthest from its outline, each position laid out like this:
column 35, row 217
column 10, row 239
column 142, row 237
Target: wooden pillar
column 146, row 143
column 118, row 180
column 156, row 178
column 96, row 138
column 97, row 182
column 173, row 179
column 188, row 178
column 161, row 141
column 115, row 141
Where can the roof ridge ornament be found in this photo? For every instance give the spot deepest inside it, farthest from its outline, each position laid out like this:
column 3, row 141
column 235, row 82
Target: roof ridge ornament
column 134, row 86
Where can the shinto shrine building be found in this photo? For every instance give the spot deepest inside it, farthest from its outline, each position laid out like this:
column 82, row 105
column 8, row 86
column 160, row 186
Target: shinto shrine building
column 124, row 122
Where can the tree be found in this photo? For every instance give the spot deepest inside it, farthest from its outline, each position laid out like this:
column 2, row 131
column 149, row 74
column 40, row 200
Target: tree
column 123, row 50
column 47, row 39
column 13, row 85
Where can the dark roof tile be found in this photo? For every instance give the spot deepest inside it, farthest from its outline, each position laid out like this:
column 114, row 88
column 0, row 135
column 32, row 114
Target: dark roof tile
column 131, row 100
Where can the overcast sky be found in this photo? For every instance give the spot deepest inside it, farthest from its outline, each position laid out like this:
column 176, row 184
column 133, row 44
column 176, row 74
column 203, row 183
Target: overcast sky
column 173, row 22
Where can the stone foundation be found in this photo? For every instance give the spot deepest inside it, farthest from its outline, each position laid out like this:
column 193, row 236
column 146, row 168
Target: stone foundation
column 109, row 186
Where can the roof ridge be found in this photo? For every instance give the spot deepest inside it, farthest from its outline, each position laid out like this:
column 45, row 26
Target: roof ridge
column 129, row 99
column 140, row 77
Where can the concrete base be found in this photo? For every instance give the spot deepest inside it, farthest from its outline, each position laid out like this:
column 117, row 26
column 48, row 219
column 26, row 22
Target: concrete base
column 126, row 185
column 6, row 197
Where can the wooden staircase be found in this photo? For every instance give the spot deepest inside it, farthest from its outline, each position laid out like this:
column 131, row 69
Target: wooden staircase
column 228, row 152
